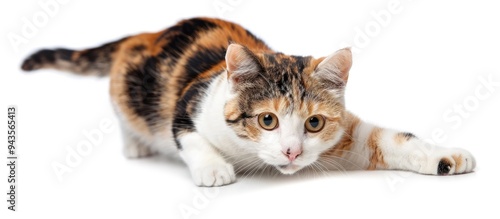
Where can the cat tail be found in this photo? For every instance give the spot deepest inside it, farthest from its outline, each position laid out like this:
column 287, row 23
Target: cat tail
column 95, row 61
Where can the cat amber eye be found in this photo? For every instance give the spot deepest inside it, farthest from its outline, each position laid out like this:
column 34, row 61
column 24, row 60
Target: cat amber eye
column 268, row 121
column 315, row 123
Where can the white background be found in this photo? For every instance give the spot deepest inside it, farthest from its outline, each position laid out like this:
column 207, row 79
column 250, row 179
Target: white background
column 415, row 68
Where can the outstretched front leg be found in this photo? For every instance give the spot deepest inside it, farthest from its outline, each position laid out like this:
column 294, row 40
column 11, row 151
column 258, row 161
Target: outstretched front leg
column 207, row 166
column 372, row 147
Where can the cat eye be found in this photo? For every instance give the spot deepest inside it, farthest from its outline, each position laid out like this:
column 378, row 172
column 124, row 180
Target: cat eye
column 315, row 123
column 268, row 121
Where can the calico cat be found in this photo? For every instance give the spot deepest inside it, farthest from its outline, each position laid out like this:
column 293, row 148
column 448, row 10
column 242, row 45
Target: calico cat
column 226, row 101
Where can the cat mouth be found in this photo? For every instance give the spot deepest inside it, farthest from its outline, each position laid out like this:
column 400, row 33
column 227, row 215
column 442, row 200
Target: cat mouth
column 288, row 168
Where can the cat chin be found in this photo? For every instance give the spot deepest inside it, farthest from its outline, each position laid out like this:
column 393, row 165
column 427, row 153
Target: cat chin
column 289, row 169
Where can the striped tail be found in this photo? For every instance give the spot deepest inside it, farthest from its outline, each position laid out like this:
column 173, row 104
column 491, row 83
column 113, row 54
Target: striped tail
column 96, row 61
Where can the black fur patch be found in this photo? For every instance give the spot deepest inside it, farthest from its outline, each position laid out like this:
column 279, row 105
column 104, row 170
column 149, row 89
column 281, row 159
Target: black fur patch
column 187, row 107
column 182, row 118
column 181, row 36
column 203, row 60
column 444, row 167
column 45, row 56
column 38, row 59
column 64, row 54
column 408, row 135
column 144, row 89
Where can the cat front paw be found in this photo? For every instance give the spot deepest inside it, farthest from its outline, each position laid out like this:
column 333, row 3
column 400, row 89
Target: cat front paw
column 215, row 174
column 455, row 161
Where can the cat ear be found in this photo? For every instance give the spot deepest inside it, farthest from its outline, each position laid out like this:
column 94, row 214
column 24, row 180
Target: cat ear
column 241, row 63
column 334, row 69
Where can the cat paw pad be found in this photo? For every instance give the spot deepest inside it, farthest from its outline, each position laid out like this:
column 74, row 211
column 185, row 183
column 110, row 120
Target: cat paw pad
column 457, row 162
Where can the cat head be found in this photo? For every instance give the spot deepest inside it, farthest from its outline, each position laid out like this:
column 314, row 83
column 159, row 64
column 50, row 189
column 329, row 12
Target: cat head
column 288, row 108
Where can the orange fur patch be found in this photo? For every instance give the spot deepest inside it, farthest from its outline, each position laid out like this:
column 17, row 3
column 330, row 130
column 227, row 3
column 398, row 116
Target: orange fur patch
column 377, row 158
column 400, row 138
column 231, row 111
column 458, row 161
column 253, row 131
column 345, row 144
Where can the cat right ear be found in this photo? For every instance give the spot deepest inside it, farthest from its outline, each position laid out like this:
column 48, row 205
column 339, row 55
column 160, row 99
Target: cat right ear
column 241, row 64
column 334, row 69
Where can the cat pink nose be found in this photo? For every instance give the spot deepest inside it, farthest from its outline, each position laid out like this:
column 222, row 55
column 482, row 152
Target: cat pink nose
column 292, row 154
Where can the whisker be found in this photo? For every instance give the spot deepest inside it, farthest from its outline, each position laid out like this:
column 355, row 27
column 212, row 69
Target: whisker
column 346, row 160
column 338, row 166
column 323, row 168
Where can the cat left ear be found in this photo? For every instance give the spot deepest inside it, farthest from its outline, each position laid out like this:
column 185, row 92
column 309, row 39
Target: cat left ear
column 241, row 63
column 334, row 69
